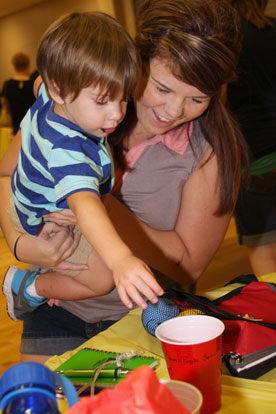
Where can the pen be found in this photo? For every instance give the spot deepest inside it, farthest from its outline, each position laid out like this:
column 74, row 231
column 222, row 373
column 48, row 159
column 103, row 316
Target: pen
column 105, row 373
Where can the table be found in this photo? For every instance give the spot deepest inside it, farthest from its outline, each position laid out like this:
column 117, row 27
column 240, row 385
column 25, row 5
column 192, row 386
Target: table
column 238, row 395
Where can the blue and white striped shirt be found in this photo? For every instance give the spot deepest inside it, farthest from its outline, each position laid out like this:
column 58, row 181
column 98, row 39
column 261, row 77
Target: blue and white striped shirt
column 57, row 158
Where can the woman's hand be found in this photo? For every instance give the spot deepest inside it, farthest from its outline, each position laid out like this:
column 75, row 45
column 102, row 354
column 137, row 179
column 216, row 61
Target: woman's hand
column 65, row 217
column 51, row 247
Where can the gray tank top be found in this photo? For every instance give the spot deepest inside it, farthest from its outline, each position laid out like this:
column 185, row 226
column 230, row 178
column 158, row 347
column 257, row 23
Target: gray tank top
column 152, row 190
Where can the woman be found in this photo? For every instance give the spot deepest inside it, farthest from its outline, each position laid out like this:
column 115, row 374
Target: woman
column 183, row 151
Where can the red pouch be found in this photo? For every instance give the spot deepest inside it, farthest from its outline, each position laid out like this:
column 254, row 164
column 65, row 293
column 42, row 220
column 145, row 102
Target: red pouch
column 139, row 393
column 248, row 313
column 255, row 303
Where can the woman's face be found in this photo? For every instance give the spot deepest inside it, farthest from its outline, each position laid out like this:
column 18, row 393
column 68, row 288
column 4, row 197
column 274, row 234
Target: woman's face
column 167, row 102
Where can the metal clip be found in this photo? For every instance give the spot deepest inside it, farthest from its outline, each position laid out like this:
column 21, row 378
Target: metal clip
column 232, row 355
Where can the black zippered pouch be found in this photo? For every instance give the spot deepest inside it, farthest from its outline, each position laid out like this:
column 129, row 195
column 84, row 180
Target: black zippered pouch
column 253, row 365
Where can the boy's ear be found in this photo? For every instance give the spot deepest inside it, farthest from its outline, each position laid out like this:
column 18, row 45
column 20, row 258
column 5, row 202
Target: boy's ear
column 54, row 92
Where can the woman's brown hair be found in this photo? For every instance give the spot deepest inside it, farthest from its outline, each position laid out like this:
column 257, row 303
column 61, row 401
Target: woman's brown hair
column 200, row 41
column 253, row 11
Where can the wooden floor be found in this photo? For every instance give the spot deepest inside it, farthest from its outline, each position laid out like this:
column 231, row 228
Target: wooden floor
column 230, row 261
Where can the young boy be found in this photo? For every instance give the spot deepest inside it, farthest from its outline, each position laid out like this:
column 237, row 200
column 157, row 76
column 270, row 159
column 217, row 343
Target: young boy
column 88, row 64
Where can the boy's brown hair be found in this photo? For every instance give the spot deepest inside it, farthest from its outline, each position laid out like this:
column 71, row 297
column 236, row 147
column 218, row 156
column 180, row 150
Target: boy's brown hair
column 89, row 48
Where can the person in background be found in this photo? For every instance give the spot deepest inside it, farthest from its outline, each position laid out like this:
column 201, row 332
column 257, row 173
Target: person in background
column 252, row 99
column 180, row 153
column 17, row 92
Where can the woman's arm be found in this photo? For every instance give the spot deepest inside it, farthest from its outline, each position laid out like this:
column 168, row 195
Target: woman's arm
column 53, row 245
column 183, row 253
column 197, row 235
column 50, row 249
column 36, row 84
column 7, row 165
column 199, row 229
column 10, row 158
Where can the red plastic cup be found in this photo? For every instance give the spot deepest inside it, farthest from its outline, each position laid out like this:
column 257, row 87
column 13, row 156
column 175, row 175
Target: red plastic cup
column 192, row 349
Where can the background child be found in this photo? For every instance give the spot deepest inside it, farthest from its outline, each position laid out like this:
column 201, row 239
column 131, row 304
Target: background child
column 89, row 67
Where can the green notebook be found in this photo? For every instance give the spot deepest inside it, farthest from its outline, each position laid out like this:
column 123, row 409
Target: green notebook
column 82, row 365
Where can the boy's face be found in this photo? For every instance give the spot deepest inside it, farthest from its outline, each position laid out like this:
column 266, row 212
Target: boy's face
column 94, row 114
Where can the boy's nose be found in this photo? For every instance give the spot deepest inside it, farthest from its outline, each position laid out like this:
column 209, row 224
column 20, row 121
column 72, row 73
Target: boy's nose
column 117, row 113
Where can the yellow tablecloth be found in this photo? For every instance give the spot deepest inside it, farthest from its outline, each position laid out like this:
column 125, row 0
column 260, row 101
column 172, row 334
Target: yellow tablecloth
column 238, row 395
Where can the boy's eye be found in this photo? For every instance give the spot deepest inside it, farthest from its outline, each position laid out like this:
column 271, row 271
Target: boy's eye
column 101, row 102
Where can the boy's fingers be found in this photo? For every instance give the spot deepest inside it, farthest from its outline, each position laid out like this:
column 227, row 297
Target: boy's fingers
column 146, row 291
column 124, row 297
column 131, row 292
column 139, row 289
column 152, row 283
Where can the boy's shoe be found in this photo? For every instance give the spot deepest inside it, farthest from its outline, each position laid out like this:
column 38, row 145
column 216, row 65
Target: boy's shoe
column 20, row 304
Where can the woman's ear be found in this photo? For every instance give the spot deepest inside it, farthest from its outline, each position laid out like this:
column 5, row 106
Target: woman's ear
column 54, row 92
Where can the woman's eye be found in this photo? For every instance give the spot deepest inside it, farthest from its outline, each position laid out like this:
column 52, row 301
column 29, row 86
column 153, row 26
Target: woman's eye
column 162, row 90
column 198, row 101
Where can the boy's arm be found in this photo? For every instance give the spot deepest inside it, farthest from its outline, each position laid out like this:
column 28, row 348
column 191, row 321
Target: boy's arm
column 96, row 226
column 130, row 273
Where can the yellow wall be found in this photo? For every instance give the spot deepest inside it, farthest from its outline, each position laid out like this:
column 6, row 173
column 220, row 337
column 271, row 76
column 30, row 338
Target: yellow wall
column 21, row 31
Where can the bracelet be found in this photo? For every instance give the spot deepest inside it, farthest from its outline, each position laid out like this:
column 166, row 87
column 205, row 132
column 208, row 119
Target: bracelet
column 14, row 247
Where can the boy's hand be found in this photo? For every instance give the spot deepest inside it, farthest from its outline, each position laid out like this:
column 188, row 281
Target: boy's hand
column 133, row 278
